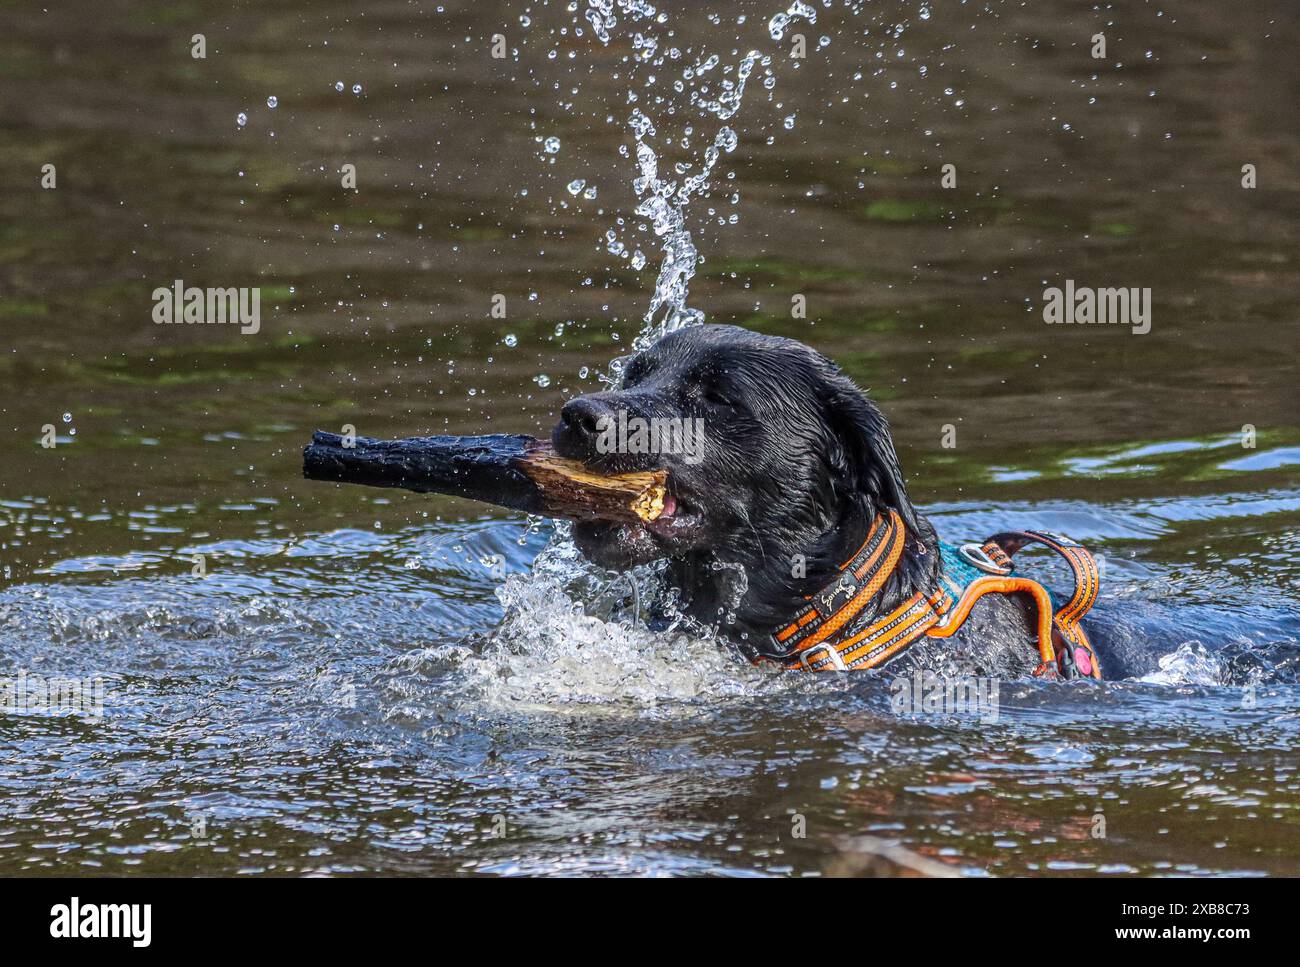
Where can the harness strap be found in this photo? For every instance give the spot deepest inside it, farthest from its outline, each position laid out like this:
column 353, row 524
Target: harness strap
column 879, row 641
column 955, row 618
column 810, row 639
column 863, row 576
column 1077, row 654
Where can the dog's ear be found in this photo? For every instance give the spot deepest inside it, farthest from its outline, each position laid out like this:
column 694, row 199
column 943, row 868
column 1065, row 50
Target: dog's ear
column 868, row 457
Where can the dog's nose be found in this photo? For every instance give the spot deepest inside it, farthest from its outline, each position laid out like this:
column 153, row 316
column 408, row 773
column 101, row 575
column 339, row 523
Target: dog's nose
column 585, row 415
column 582, row 420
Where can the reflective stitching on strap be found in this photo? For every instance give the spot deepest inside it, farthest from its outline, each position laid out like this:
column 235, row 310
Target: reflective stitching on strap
column 892, row 552
column 803, row 619
column 879, row 651
column 878, row 557
column 875, row 526
column 875, row 644
column 1087, row 579
column 864, row 640
column 823, row 601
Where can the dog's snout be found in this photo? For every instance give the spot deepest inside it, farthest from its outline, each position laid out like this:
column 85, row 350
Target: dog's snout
column 582, row 420
column 586, row 416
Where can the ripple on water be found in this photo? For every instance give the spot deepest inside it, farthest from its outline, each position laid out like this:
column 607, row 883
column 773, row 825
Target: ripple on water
column 278, row 702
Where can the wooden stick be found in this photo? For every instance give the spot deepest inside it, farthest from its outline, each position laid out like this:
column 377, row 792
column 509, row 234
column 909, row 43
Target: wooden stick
column 515, row 471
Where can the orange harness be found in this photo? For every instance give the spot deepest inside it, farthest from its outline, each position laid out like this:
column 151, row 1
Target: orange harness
column 823, row 635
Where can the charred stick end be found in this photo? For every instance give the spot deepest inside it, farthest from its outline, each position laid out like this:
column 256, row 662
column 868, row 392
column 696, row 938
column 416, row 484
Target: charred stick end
column 518, row 472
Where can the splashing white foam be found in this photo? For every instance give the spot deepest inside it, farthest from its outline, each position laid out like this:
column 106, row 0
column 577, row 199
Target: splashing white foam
column 1190, row 664
column 553, row 649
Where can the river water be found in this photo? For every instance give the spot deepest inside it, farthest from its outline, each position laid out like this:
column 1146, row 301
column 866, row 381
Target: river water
column 298, row 678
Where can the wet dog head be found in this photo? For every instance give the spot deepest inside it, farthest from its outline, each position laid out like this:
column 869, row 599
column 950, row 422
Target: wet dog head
column 768, row 448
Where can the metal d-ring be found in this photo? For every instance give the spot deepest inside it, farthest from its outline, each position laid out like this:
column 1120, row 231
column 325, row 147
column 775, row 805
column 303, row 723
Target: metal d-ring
column 976, row 556
column 836, row 658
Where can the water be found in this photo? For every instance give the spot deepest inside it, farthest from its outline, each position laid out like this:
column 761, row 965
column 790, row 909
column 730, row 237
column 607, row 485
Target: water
column 663, row 200
column 299, row 677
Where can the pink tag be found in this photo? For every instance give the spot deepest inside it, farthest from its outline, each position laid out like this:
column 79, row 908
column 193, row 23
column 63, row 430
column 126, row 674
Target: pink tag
column 1083, row 661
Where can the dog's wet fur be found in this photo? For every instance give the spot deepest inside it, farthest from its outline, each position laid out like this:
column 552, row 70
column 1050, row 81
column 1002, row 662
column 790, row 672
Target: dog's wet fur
column 795, row 465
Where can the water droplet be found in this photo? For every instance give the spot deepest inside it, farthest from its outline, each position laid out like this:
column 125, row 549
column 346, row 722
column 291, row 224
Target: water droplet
column 542, row 380
column 241, row 119
column 576, row 185
column 67, row 417
column 356, row 88
column 552, row 145
column 511, row 340
column 272, row 102
column 338, row 85
column 776, row 26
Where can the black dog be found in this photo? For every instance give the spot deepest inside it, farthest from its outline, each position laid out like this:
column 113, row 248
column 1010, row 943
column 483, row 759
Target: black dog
column 795, row 466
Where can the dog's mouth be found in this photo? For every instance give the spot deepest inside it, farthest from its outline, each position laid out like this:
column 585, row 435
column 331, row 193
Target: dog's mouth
column 680, row 519
column 681, row 511
column 677, row 518
column 678, row 528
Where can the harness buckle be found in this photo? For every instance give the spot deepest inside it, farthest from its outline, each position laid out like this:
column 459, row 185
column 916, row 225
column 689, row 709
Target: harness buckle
column 837, row 660
column 975, row 555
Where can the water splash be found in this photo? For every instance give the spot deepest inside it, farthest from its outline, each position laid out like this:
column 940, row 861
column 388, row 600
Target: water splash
column 776, row 26
column 1191, row 664
column 665, row 198
column 572, row 638
column 569, row 637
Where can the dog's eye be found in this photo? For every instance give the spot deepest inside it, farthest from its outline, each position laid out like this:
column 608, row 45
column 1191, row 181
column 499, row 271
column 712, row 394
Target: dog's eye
column 637, row 371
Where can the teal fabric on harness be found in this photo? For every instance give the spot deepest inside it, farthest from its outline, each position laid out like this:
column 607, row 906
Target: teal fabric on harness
column 957, row 571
